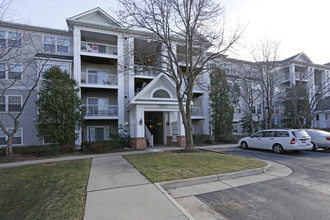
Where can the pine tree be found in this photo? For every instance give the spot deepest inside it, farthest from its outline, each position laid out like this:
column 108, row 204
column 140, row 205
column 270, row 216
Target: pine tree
column 59, row 107
column 222, row 106
column 297, row 108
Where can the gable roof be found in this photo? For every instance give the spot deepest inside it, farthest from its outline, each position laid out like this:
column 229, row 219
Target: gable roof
column 161, row 82
column 298, row 57
column 94, row 16
column 323, row 105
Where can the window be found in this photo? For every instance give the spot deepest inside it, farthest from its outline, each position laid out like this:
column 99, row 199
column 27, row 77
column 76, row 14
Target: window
column 98, row 133
column 2, row 71
column 2, row 38
column 258, row 109
column 14, row 103
column 97, row 76
column 17, row 140
column 14, row 71
column 161, row 94
column 235, row 130
column 2, row 137
column 257, row 135
column 14, row 40
column 269, row 134
column 63, row 45
column 48, row 66
column 276, row 109
column 97, row 106
column 53, row 44
column 2, row 104
column 282, row 134
column 49, row 44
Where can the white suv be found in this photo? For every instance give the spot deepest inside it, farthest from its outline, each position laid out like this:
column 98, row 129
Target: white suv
column 278, row 140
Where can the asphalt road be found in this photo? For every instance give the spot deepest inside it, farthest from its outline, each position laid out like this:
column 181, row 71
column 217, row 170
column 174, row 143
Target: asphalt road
column 305, row 194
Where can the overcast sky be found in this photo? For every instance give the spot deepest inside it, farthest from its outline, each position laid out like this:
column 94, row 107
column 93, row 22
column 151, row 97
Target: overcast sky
column 300, row 25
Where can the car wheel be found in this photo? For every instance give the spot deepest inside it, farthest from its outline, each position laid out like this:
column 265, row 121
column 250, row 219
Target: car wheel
column 278, row 149
column 244, row 145
column 314, row 147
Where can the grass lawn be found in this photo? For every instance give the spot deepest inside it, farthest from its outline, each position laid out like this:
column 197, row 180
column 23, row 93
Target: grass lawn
column 44, row 191
column 164, row 166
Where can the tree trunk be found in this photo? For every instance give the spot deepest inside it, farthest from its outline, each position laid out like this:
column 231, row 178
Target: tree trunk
column 9, row 146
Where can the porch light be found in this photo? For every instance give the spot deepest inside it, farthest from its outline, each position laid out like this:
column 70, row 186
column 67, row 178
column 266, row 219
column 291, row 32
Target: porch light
column 141, row 121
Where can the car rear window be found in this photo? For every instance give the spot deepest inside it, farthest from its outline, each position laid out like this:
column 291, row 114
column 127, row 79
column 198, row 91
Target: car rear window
column 299, row 133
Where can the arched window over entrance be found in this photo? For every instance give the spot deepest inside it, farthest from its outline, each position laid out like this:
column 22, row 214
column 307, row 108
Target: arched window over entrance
column 161, row 93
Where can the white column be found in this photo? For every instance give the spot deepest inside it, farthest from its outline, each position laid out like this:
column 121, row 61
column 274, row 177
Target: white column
column 120, row 68
column 130, row 68
column 77, row 70
column 140, row 122
column 181, row 130
column 292, row 72
column 132, row 123
column 165, row 126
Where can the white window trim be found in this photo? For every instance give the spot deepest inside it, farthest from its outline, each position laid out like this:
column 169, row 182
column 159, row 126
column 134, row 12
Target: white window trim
column 7, row 103
column 56, row 44
column 6, row 137
column 98, row 70
column 18, row 32
column 90, row 97
column 52, row 64
column 88, row 127
column 21, row 68
column 7, row 71
column 7, row 37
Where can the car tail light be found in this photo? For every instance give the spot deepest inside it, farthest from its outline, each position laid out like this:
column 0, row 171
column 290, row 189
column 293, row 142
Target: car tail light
column 328, row 138
column 293, row 141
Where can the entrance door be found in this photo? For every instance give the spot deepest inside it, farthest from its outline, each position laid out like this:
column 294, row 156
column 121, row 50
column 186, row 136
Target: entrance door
column 154, row 122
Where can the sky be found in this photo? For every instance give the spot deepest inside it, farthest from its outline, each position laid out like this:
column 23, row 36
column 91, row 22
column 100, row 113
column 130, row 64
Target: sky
column 299, row 25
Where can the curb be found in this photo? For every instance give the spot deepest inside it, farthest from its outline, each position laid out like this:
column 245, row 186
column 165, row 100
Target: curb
column 175, row 203
column 213, row 178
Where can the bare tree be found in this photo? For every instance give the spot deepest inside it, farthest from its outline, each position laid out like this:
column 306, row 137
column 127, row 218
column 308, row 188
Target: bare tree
column 251, row 93
column 20, row 72
column 305, row 93
column 266, row 54
column 191, row 34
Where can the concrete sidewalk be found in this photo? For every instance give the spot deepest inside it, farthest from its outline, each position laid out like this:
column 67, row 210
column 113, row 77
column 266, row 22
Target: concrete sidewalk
column 116, row 190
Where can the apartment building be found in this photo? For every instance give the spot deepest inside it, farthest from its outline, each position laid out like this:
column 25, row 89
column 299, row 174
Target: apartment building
column 119, row 91
column 295, row 70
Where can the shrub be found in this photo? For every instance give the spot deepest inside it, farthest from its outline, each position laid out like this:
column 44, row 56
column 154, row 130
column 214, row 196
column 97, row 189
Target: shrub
column 34, row 150
column 200, row 138
column 117, row 141
column 231, row 139
column 66, row 148
column 209, row 141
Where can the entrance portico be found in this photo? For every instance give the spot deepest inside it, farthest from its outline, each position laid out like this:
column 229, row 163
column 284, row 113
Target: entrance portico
column 154, row 115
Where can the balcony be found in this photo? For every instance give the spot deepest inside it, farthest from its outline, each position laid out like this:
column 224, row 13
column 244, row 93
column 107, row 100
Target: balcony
column 197, row 112
column 300, row 76
column 101, row 111
column 104, row 50
column 146, row 70
column 99, row 79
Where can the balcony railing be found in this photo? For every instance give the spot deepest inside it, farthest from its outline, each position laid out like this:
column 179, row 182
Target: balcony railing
column 101, row 110
column 146, row 70
column 197, row 111
column 98, row 48
column 99, row 79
